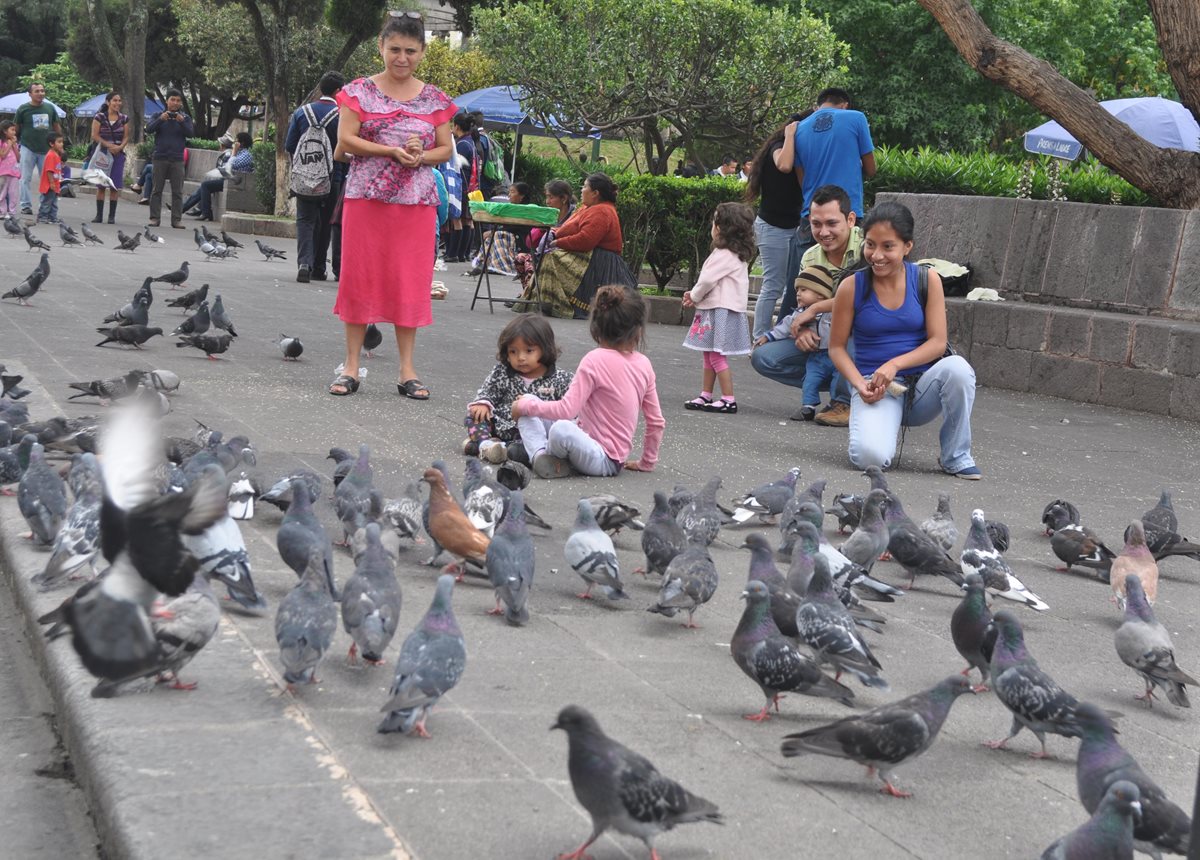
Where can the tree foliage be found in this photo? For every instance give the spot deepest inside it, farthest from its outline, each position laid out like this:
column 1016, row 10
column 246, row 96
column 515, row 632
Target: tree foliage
column 457, row 70
column 64, row 85
column 670, row 73
column 31, row 32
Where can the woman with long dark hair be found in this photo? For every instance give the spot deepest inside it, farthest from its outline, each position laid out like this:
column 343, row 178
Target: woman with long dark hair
column 110, row 132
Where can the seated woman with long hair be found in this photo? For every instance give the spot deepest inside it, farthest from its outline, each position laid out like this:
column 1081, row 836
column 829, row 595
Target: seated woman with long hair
column 508, row 240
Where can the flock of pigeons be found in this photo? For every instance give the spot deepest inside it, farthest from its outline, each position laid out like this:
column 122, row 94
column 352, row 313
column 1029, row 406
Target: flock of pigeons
column 154, row 520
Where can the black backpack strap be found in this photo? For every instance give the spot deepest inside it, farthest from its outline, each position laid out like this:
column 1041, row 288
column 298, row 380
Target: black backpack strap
column 922, row 284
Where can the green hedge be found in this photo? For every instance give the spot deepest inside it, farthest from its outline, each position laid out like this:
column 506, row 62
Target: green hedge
column 203, row 143
column 264, row 173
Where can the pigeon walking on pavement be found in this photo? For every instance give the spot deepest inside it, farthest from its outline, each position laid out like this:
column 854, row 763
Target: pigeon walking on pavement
column 371, row 601
column 291, row 347
column 151, row 236
column 33, row 241
column 221, row 553
column 68, row 236
column 372, row 338
column 979, row 556
column 510, row 564
column 773, row 661
column 701, row 516
column 449, row 527
column 128, row 335
column 301, row 533
column 305, row 623
column 403, row 513
column 767, row 500
column 89, row 235
column 12, row 226
column 591, row 554
column 1077, row 545
column 229, row 241
column 884, row 737
column 42, row 498
column 972, row 631
column 1108, row 834
column 826, row 626
column 268, row 252
column 176, row 278
column 613, row 514
column 1137, row 559
column 190, row 300
column 197, row 323
column 210, row 345
column 1145, row 646
column 220, row 319
column 622, row 790
column 941, row 526
column 25, row 290
column 662, row 538
column 431, row 661
column 279, row 494
column 916, row 552
column 870, row 539
column 1162, row 532
column 78, row 540
column 689, row 582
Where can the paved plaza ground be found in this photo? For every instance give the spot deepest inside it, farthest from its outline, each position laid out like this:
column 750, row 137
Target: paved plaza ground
column 240, row 768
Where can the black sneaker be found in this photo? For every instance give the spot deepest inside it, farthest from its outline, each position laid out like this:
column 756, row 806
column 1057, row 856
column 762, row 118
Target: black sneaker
column 470, row 448
column 806, row 413
column 320, row 276
column 303, row 276
column 517, row 452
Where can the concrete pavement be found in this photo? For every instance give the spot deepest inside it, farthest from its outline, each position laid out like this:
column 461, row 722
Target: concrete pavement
column 244, row 769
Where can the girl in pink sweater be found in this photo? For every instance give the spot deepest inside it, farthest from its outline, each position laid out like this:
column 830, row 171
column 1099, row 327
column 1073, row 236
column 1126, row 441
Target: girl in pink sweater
column 719, row 297
column 590, row 430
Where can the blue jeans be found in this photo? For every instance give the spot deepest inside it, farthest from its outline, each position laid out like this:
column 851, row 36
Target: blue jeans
column 31, row 172
column 819, row 373
column 946, row 389
column 146, row 180
column 48, row 210
column 782, row 361
column 804, row 240
column 779, row 253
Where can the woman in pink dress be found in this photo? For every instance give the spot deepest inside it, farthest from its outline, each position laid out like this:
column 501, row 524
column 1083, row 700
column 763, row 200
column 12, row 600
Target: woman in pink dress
column 395, row 127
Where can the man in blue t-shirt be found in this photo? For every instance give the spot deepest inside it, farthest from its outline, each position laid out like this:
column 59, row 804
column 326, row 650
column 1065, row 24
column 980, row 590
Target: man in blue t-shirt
column 833, row 147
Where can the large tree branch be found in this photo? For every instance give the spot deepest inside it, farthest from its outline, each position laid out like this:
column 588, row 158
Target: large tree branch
column 1178, row 26
column 1172, row 176
column 106, row 43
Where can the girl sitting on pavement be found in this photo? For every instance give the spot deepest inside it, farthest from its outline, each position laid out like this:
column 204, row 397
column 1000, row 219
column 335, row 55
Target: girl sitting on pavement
column 525, row 364
column 590, row 431
column 719, row 296
column 899, row 335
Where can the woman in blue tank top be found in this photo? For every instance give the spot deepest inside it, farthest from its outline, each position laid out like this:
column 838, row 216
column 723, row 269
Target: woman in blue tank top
column 897, row 337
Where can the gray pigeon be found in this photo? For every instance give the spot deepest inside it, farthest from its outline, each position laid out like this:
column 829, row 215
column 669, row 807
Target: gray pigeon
column 869, row 540
column 1162, row 532
column 69, row 237
column 305, row 623
column 979, row 556
column 355, row 500
column 176, row 278
column 210, row 345
column 372, row 338
column 800, row 572
column 808, row 501
column 1145, row 646
column 662, row 538
column 136, row 312
column 89, row 235
column 25, row 290
column 430, row 664
column 913, row 549
column 486, row 500
column 42, row 498
column 999, row 534
column 847, row 508
column 190, row 300
column 689, row 582
column 229, row 241
column 291, row 347
column 301, row 533
column 510, row 564
column 701, row 515
column 612, row 514
column 1035, row 700
column 78, row 540
column 622, row 790
column 940, row 526
column 1057, row 514
column 12, row 226
column 128, row 243
column 280, row 493
column 884, row 737
column 128, row 335
column 591, row 554
column 151, row 236
column 197, row 323
column 343, row 461
column 33, row 241
column 972, row 631
column 403, row 513
column 371, row 601
column 1102, row 761
column 1108, row 834
column 826, row 626
column 768, row 500
column 784, row 601
column 220, row 319
column 1077, row 545
column 772, row 661
column 268, row 252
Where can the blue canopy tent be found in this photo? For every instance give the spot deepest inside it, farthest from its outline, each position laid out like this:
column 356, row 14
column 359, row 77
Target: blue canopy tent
column 12, row 101
column 88, row 109
column 501, row 109
column 1161, row 121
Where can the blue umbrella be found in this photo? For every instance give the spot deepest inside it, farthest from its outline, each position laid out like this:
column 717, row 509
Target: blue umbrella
column 501, row 107
column 12, row 101
column 89, row 107
column 1161, row 121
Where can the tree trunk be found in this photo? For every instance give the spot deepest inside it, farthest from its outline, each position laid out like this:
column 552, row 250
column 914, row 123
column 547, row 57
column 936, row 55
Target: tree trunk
column 1178, row 26
column 1170, row 176
column 135, row 65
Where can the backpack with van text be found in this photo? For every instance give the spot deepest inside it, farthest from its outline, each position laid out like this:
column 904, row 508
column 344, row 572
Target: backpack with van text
column 312, row 162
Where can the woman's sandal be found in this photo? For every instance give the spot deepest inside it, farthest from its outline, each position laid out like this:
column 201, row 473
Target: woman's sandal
column 348, row 384
column 727, row 407
column 413, row 389
column 700, row 402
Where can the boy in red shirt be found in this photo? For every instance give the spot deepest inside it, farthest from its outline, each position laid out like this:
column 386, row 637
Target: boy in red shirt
column 51, row 176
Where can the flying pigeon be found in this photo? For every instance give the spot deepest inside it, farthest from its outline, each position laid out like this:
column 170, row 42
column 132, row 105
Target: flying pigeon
column 430, row 664
column 42, row 498
column 372, row 339
column 622, row 790
column 371, row 601
column 766, row 501
column 940, row 525
column 89, row 235
column 591, row 554
column 662, row 538
column 197, row 323
column 78, row 539
column 510, row 564
column 1057, row 514
column 268, row 252
column 210, row 345
column 176, row 278
column 1108, row 834
column 1137, row 559
column 772, row 661
column 884, row 737
column 152, row 236
column 189, row 300
column 128, row 335
column 305, row 624
column 1145, row 646
column 689, row 582
column 979, row 556
column 1102, row 761
column 913, row 549
column 291, row 347
column 972, row 631
column 1077, row 545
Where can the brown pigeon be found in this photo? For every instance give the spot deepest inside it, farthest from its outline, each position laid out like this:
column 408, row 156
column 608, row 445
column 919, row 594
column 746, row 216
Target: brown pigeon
column 1135, row 558
column 449, row 526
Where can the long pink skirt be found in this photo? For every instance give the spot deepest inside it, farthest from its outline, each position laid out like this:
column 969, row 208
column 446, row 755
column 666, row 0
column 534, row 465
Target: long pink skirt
column 388, row 253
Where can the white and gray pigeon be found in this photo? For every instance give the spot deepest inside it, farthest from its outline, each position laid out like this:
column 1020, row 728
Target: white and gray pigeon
column 613, row 514
column 430, row 664
column 221, row 552
column 305, row 623
column 662, row 537
column 301, row 532
column 268, row 252
column 242, row 494
column 510, row 564
column 42, row 498
column 941, row 526
column 151, row 236
column 766, row 501
column 220, row 318
column 1145, row 646
column 980, row 557
column 884, row 737
column 280, row 493
column 371, row 600
column 689, row 582
column 403, row 513
column 484, row 502
column 1077, row 545
column 827, row 627
column 291, row 347
column 701, row 516
column 591, row 554
column 772, row 660
column 870, row 538
column 622, row 790
column 1108, row 834
column 78, row 540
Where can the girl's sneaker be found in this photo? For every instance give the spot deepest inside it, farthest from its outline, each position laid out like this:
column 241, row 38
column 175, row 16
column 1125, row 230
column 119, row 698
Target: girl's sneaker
column 493, row 451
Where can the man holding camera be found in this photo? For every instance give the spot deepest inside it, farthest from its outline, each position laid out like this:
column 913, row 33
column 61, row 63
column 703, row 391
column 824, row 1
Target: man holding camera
column 171, row 129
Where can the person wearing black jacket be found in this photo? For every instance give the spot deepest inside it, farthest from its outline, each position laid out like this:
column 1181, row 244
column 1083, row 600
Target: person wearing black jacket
column 171, row 129
column 314, row 215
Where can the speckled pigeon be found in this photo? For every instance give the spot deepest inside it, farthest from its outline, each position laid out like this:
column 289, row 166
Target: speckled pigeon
column 221, row 551
column 884, row 737
column 591, row 554
column 1102, row 761
column 1108, row 834
column 1145, row 646
column 403, row 513
column 941, row 526
column 979, row 556
column 78, row 541
column 772, row 661
column 621, row 789
column 510, row 564
column 612, row 514
column 431, row 661
column 1162, row 532
column 767, row 500
column 42, row 498
column 371, row 601
column 305, row 623
column 827, row 627
column 662, row 538
column 689, row 582
column 701, row 515
column 972, row 631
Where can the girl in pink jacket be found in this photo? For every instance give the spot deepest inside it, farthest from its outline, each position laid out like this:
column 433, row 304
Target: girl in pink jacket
column 719, row 297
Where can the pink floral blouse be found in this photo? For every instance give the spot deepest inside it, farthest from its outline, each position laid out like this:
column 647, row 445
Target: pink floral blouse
column 389, row 123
